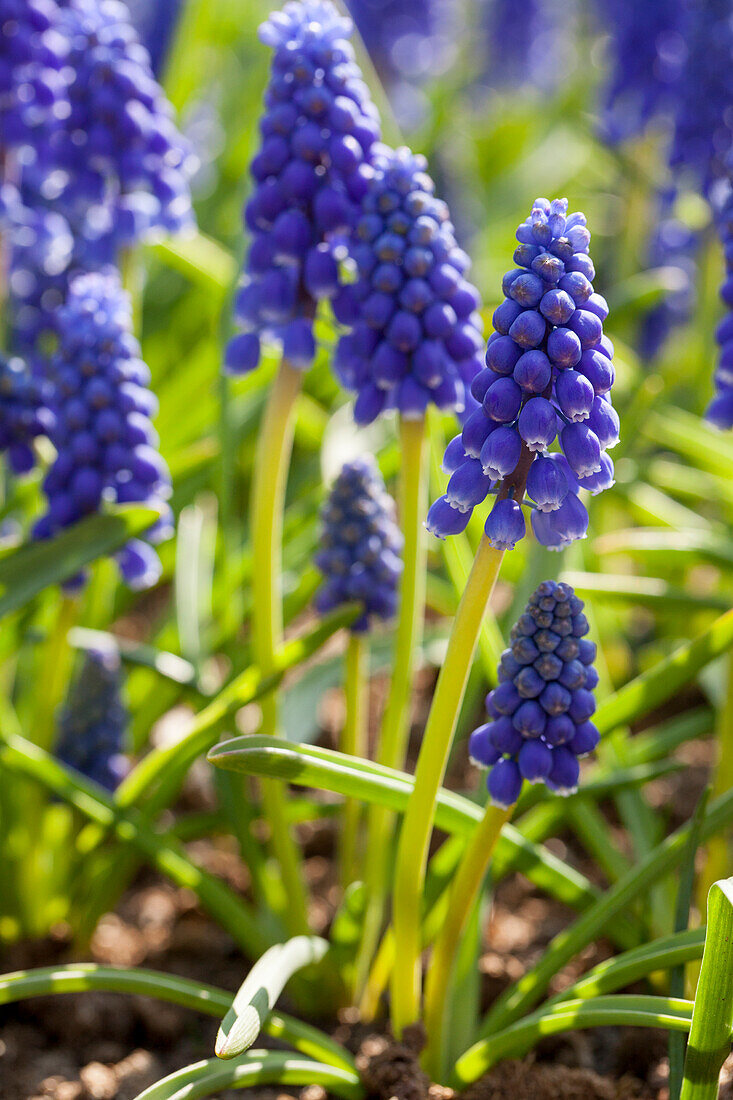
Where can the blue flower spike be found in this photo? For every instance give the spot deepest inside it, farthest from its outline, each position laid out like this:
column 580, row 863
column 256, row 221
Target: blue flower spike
column 107, row 448
column 360, row 549
column 310, row 174
column 93, row 725
column 415, row 334
column 720, row 410
column 547, row 383
column 540, row 712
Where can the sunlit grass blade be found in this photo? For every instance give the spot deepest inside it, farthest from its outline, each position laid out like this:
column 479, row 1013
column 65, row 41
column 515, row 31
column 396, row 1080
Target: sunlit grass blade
column 645, row 541
column 207, row 999
column 615, row 973
column 168, row 665
column 712, row 1017
column 258, row 1067
column 653, row 592
column 666, row 678
column 260, row 990
column 681, row 923
column 28, row 570
column 529, row 989
column 232, row 912
column 620, row 1010
column 691, row 437
column 201, row 259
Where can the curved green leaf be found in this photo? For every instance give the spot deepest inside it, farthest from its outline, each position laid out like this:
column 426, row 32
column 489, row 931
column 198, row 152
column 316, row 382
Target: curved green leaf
column 28, row 570
column 260, row 990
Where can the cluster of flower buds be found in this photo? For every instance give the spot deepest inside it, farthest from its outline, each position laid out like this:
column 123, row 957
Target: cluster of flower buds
column 23, row 416
column 32, row 74
column 310, row 174
column 93, row 724
column 548, row 376
column 360, row 545
column 105, row 442
column 416, row 335
column 540, row 712
column 720, row 410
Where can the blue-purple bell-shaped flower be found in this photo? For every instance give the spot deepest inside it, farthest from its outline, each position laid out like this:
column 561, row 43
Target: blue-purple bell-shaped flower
column 106, row 446
column 415, row 334
column 361, row 544
column 93, row 724
column 547, row 382
column 310, row 174
column 540, row 712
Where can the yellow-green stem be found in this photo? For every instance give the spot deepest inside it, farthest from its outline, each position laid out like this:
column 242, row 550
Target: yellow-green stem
column 354, row 742
column 272, row 461
column 464, row 891
column 412, row 851
column 391, row 750
column 717, row 849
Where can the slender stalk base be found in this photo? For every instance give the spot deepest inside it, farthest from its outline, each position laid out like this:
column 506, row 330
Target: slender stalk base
column 717, row 850
column 412, row 852
column 413, row 507
column 354, row 742
column 464, row 891
column 272, row 461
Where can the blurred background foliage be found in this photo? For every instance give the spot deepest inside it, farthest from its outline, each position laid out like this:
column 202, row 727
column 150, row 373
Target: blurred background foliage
column 658, row 564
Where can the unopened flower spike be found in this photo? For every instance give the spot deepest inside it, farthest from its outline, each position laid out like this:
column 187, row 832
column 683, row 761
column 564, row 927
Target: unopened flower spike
column 23, row 415
column 361, row 545
column 547, row 382
column 540, row 713
column 416, row 335
column 720, row 410
column 310, row 175
column 93, row 725
column 107, row 448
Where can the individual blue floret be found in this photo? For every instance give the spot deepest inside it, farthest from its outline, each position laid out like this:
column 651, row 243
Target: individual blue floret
column 107, row 448
column 540, row 712
column 310, row 174
column 720, row 410
column 92, row 727
column 23, row 415
column 548, row 377
column 416, row 334
column 361, row 544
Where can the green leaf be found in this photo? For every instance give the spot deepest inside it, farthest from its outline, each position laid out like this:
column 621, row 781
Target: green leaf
column 712, row 1016
column 662, row 859
column 621, row 1010
column 651, row 592
column 306, row 765
column 258, row 1067
column 666, row 678
column 27, row 571
column 260, row 990
column 201, row 259
column 84, row 977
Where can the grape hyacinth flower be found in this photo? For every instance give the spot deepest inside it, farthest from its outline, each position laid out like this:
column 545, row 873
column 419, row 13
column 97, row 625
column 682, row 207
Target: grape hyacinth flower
column 648, row 49
column 156, row 22
column 416, row 333
column 23, row 416
column 117, row 168
column 360, row 545
column 529, row 44
column 93, row 724
column 720, row 410
column 673, row 246
column 310, row 174
column 548, row 377
column 542, row 708
column 33, row 99
column 104, row 438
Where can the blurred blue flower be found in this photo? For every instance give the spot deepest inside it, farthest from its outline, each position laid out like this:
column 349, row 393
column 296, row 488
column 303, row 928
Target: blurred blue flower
column 720, row 410
column 415, row 332
column 548, row 376
column 23, row 415
column 361, row 544
column 531, row 44
column 540, row 713
column 92, row 727
column 156, row 22
column 673, row 246
column 310, row 174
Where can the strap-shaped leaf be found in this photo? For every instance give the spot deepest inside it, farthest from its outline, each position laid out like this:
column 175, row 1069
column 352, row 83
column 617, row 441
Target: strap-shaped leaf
column 712, row 1016
column 260, row 990
column 27, row 571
